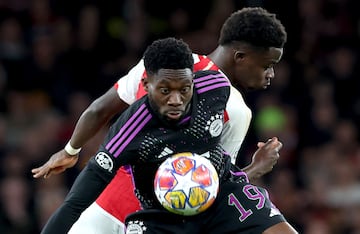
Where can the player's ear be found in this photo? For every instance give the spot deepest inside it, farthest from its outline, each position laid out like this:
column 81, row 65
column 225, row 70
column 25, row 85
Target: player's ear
column 145, row 83
column 239, row 54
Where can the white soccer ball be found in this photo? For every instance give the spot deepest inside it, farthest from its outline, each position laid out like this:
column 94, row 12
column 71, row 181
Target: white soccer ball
column 186, row 184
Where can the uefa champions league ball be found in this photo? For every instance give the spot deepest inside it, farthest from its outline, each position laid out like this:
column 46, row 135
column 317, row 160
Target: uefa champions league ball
column 186, row 184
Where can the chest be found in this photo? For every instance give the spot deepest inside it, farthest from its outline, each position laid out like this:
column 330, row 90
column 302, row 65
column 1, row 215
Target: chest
column 198, row 133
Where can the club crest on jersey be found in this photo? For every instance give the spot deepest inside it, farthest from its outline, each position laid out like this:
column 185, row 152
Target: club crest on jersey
column 215, row 125
column 135, row 227
column 104, row 161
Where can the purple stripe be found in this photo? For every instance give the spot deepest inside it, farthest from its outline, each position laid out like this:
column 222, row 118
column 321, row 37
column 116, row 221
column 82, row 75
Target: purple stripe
column 137, row 130
column 128, row 131
column 197, row 80
column 125, row 126
column 132, row 179
column 212, row 87
column 185, row 120
column 127, row 169
column 240, row 173
column 132, row 176
column 210, row 82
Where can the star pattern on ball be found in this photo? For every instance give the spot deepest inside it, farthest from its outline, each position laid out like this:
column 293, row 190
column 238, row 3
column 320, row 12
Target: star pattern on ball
column 185, row 183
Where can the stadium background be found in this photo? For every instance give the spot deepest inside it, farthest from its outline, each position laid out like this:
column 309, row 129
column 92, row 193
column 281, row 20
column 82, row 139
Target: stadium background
column 58, row 56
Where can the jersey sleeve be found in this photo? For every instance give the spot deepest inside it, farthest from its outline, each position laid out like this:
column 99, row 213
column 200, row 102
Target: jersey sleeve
column 122, row 140
column 128, row 85
column 236, row 127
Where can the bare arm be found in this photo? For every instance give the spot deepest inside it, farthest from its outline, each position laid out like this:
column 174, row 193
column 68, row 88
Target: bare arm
column 97, row 115
column 263, row 159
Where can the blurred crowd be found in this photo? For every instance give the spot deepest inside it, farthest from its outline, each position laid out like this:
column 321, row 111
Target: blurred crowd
column 56, row 57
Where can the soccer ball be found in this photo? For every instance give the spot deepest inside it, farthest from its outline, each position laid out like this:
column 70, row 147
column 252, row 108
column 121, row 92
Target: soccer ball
column 186, row 184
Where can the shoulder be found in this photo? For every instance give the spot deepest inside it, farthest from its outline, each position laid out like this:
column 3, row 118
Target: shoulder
column 211, row 77
column 239, row 115
column 208, row 81
column 202, row 73
column 136, row 116
column 236, row 105
column 128, row 86
column 139, row 107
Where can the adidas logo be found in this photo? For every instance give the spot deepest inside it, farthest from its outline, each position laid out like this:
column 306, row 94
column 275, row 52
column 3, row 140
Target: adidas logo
column 166, row 151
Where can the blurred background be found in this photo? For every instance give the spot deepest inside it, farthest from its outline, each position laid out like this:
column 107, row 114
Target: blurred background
column 56, row 57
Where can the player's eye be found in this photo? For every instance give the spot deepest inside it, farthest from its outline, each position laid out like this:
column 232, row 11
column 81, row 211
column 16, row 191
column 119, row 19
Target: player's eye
column 164, row 90
column 185, row 89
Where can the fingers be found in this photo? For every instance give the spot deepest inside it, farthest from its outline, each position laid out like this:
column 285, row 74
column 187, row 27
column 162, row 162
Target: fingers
column 52, row 171
column 48, row 174
column 271, row 142
column 39, row 173
column 280, row 145
column 261, row 144
column 274, row 142
column 55, row 165
column 42, row 171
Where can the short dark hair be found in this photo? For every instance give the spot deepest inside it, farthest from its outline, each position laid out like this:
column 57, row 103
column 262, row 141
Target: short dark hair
column 255, row 26
column 168, row 53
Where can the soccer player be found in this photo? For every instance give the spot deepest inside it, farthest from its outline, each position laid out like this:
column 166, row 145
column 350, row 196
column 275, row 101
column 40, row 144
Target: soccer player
column 245, row 55
column 181, row 112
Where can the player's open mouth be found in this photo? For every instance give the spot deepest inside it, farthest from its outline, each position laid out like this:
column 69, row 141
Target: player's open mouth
column 174, row 114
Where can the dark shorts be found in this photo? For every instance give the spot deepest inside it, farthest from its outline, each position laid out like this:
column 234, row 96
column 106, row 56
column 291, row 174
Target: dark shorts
column 240, row 207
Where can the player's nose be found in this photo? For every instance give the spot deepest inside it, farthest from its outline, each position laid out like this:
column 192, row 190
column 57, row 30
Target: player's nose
column 175, row 99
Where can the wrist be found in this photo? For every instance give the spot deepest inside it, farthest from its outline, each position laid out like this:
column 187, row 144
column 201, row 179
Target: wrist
column 71, row 150
column 251, row 172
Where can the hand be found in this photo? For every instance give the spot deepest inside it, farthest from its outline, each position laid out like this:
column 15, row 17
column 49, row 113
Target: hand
column 57, row 163
column 264, row 159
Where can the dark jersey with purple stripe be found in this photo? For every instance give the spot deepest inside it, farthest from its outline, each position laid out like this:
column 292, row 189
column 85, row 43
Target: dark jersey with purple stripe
column 142, row 140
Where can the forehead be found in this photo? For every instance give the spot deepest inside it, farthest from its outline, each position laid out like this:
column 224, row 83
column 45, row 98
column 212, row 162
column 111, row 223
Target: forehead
column 272, row 54
column 171, row 75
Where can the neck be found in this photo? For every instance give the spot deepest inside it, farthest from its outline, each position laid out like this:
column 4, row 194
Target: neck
column 221, row 56
column 216, row 56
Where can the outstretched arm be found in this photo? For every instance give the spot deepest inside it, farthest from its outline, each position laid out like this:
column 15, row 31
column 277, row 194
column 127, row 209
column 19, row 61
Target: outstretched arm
column 97, row 115
column 264, row 158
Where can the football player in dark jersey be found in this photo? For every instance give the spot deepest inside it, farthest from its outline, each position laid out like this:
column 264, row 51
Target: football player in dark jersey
column 177, row 115
column 250, row 45
column 246, row 31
